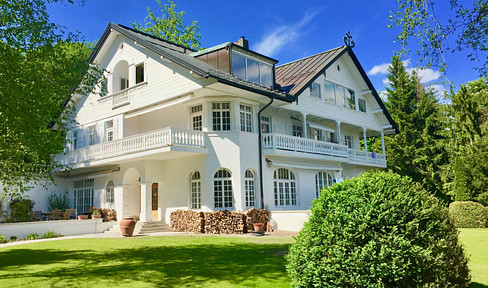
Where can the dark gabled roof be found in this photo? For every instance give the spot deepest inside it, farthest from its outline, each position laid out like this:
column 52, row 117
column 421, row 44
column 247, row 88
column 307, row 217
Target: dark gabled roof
column 301, row 73
column 178, row 55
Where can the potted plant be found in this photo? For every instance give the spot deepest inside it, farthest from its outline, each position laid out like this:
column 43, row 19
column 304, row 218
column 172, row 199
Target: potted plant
column 96, row 214
column 82, row 217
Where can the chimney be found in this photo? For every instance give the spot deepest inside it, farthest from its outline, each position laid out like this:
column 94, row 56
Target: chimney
column 242, row 42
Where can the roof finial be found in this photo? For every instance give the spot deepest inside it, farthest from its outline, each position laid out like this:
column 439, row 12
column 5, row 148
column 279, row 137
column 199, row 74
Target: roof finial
column 348, row 40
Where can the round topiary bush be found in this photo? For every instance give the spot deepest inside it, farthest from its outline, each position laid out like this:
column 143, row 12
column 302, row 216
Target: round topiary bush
column 378, row 230
column 468, row 214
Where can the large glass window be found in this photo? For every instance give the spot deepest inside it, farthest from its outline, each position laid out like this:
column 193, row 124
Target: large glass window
column 322, row 180
column 315, row 90
column 296, row 130
column 246, row 118
column 252, row 70
column 249, row 184
column 83, row 195
column 196, row 190
column 140, row 73
column 329, row 92
column 285, row 191
column 109, row 192
column 221, row 116
column 223, row 189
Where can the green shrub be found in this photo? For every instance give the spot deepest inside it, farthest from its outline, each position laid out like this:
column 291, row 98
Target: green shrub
column 32, row 236
column 483, row 199
column 57, row 202
column 2, row 239
column 50, row 234
column 13, row 238
column 378, row 230
column 20, row 210
column 468, row 214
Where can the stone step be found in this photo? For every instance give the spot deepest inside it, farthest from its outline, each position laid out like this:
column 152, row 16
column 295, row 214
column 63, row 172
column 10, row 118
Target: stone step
column 142, row 228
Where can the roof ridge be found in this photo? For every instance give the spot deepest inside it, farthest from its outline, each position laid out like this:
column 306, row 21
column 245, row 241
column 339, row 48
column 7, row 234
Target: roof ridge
column 301, row 59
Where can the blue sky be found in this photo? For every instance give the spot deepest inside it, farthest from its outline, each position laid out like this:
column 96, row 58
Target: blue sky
column 284, row 30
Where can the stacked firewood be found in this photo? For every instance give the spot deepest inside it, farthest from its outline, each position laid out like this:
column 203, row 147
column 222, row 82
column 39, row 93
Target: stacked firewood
column 107, row 214
column 255, row 216
column 226, row 222
column 187, row 221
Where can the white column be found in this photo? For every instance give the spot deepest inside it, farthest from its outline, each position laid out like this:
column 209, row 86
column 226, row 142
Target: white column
column 383, row 142
column 119, row 202
column 338, row 123
column 111, row 83
column 304, row 118
column 365, row 140
column 132, row 75
column 146, row 205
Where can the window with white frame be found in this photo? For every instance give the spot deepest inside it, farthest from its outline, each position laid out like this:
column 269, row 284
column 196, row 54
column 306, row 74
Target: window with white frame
column 348, row 141
column 109, row 131
column 196, row 190
column 329, row 92
column 83, row 195
column 285, row 191
column 246, row 117
column 296, row 130
column 110, row 192
column 222, row 189
column 315, row 90
column 246, row 68
column 124, row 83
column 91, row 135
column 140, row 73
column 322, row 180
column 316, row 134
column 265, row 124
column 362, row 105
column 74, row 140
column 221, row 116
column 196, row 117
column 249, row 184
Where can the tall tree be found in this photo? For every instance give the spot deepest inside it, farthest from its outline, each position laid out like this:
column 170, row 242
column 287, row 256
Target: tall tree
column 425, row 21
column 417, row 151
column 170, row 26
column 41, row 66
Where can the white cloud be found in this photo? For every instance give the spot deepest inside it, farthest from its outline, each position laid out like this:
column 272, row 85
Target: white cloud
column 383, row 95
column 382, row 68
column 285, row 34
column 425, row 75
column 386, row 81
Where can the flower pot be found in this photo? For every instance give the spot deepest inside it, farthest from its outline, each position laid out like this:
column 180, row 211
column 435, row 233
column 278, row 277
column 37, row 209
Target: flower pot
column 82, row 217
column 127, row 226
column 96, row 216
column 258, row 226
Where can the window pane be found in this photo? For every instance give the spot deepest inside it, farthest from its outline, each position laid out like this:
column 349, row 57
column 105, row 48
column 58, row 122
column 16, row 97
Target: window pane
column 139, row 73
column 329, row 92
column 266, row 75
column 253, row 71
column 315, row 90
column 362, row 105
column 238, row 66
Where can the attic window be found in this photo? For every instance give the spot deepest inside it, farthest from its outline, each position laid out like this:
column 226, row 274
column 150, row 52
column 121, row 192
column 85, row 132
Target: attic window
column 315, row 90
column 140, row 73
column 121, row 46
column 252, row 70
column 338, row 67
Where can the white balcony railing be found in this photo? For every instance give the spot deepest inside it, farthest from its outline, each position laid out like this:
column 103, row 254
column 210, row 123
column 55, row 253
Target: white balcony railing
column 142, row 142
column 298, row 144
column 292, row 143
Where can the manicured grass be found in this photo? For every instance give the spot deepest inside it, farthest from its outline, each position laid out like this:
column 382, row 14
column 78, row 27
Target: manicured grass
column 197, row 261
column 475, row 241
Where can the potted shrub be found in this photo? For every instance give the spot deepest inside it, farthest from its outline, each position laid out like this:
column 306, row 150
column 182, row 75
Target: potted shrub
column 82, row 217
column 96, row 214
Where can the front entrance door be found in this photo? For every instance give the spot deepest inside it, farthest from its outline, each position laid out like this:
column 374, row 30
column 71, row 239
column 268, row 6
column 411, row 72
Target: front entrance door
column 155, row 202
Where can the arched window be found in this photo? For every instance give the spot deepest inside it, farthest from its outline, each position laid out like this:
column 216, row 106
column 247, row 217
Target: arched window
column 196, row 190
column 249, row 185
column 223, row 189
column 109, row 192
column 285, row 189
column 322, row 180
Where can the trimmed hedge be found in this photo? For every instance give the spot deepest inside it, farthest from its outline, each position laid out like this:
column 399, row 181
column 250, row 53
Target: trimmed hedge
column 468, row 214
column 378, row 230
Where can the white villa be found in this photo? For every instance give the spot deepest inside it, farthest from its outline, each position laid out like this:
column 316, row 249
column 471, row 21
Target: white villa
column 220, row 128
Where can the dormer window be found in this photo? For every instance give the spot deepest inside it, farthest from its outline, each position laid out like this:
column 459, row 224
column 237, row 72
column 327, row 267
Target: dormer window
column 252, row 70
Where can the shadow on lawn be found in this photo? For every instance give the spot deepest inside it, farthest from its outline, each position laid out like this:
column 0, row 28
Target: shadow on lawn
column 477, row 285
column 164, row 266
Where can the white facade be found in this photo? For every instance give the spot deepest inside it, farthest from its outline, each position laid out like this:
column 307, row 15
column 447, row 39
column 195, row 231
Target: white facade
column 193, row 141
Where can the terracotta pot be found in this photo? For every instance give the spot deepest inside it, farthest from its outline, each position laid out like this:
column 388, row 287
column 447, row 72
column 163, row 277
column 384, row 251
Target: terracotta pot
column 127, row 226
column 82, row 217
column 258, row 226
column 96, row 216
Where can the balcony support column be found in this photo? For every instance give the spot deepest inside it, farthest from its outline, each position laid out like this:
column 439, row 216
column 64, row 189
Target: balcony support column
column 146, row 202
column 383, row 142
column 338, row 123
column 365, row 140
column 304, row 132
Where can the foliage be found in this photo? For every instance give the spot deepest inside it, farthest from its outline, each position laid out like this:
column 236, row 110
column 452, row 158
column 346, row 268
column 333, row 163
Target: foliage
column 96, row 212
column 170, row 26
column 466, row 174
column 2, row 239
column 378, row 230
column 20, row 210
column 465, row 30
column 57, row 202
column 418, row 150
column 13, row 238
column 3, row 209
column 32, row 236
column 468, row 214
column 42, row 66
column 50, row 234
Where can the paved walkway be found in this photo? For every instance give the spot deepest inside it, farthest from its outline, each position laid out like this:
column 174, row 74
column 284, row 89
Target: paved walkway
column 276, row 233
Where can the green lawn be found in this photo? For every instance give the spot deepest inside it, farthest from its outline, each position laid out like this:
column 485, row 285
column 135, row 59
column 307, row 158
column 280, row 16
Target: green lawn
column 199, row 261
column 476, row 243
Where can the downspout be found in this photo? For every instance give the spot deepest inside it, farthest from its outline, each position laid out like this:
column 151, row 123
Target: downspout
column 261, row 152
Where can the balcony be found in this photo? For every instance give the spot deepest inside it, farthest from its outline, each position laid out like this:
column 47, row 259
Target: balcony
column 146, row 142
column 298, row 144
